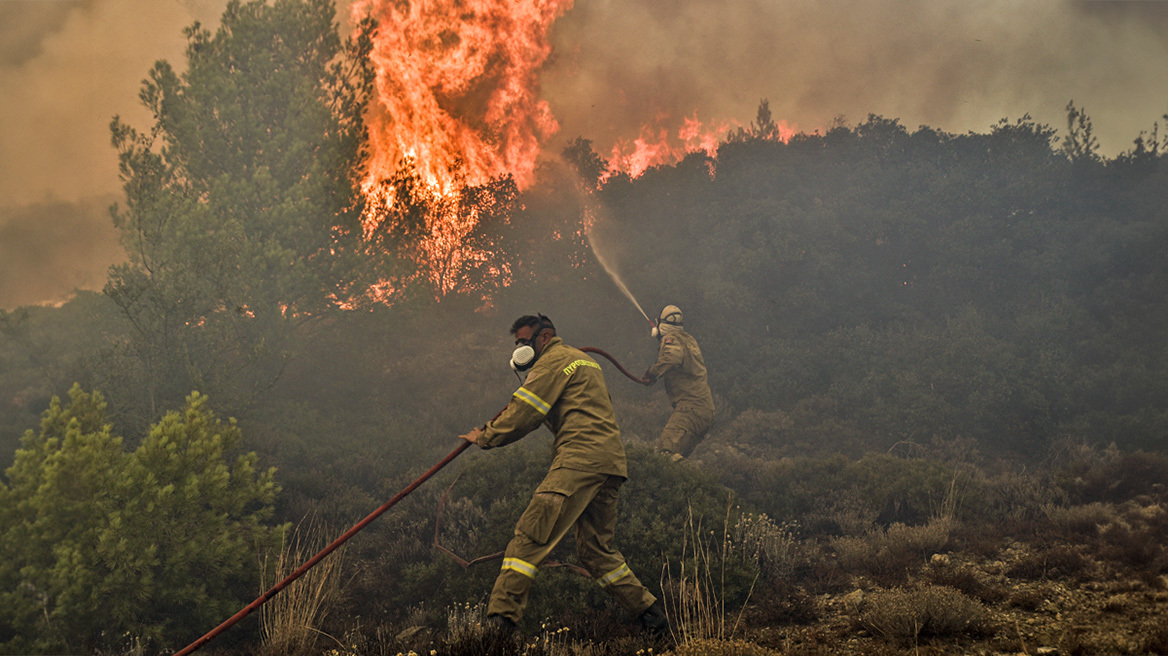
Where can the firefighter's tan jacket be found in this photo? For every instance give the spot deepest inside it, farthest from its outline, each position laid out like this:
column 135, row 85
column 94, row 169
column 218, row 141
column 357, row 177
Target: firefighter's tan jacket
column 680, row 363
column 564, row 389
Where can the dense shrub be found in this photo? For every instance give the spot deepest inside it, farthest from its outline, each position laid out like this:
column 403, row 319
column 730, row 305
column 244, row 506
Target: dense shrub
column 157, row 544
column 904, row 615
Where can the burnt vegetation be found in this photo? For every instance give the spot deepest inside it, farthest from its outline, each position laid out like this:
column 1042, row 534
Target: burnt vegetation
column 940, row 364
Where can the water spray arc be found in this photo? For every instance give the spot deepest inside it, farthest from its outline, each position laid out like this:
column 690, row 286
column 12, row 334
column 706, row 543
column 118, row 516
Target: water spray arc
column 614, row 275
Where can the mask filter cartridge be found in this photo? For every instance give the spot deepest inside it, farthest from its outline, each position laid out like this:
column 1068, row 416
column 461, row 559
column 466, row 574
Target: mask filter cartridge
column 523, row 358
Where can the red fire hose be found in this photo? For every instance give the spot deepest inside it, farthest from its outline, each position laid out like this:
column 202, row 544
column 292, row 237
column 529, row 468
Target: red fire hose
column 262, row 599
column 275, row 589
column 635, row 379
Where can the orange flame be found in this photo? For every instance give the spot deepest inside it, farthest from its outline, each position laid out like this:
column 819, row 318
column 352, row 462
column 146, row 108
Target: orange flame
column 457, row 87
column 657, row 147
column 457, row 96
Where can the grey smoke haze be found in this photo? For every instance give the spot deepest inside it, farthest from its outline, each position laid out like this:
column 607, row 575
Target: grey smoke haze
column 68, row 66
column 49, row 249
column 953, row 65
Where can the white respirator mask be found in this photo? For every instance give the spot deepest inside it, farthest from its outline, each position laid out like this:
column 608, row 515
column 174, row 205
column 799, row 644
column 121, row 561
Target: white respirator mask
column 524, row 355
column 522, row 358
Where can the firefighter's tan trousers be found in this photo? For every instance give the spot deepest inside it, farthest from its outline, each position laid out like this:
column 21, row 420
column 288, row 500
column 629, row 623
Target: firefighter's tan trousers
column 568, row 497
column 686, row 427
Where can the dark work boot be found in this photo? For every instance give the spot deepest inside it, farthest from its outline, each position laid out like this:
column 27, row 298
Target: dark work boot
column 500, row 625
column 653, row 620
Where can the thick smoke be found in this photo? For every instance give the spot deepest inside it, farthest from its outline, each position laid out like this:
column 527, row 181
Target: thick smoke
column 957, row 66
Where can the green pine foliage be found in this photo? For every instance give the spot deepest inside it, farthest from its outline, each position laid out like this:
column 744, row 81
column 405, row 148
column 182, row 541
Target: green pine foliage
column 102, row 545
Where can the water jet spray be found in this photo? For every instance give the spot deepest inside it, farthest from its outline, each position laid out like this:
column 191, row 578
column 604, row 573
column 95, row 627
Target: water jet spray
column 614, row 275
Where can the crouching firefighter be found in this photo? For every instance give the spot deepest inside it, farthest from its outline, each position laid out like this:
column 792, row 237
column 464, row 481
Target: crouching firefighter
column 565, row 389
column 680, row 363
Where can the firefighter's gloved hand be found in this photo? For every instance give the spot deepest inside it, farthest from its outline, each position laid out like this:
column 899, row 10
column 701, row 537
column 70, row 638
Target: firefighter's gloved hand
column 473, row 436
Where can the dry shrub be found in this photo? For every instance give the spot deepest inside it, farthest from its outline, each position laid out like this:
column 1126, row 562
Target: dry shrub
column 290, row 619
column 1079, row 521
column 984, row 541
column 1156, row 639
column 893, row 550
column 965, row 581
column 1058, row 562
column 705, row 647
column 1133, row 548
column 772, row 546
column 1009, row 496
column 1111, row 475
column 753, row 427
column 847, row 512
column 782, row 605
column 904, row 616
column 1027, row 599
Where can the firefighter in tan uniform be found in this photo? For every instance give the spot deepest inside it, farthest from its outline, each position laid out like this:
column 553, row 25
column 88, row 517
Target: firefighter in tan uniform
column 565, row 389
column 680, row 363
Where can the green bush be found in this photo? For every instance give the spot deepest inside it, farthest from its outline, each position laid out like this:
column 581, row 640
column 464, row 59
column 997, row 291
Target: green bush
column 159, row 544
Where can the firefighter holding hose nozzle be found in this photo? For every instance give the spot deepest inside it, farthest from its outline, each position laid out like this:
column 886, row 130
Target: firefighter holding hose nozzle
column 680, row 363
column 565, row 389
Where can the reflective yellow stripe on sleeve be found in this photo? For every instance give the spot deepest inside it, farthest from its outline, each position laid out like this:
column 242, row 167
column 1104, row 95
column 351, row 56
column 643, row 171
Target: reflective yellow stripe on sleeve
column 521, row 566
column 533, row 400
column 615, row 575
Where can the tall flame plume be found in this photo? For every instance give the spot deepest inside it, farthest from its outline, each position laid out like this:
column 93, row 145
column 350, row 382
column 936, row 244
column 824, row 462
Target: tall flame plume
column 457, row 87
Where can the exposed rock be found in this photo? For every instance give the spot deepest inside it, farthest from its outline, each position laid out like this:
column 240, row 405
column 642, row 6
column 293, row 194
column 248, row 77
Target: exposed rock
column 852, row 600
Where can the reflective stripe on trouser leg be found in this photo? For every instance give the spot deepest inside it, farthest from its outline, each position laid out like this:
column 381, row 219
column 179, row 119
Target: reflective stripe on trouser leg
column 615, row 575
column 521, row 566
column 594, row 535
column 509, row 595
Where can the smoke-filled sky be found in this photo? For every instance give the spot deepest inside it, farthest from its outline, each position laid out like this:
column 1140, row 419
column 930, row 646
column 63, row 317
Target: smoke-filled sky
column 68, row 66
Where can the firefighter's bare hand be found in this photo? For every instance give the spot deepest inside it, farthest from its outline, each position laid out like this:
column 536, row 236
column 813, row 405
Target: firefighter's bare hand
column 473, row 436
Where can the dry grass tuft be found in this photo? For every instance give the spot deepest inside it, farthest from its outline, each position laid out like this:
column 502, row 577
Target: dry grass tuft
column 290, row 619
column 772, row 546
column 695, row 601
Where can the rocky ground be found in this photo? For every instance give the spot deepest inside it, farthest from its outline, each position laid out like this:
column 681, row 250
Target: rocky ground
column 1021, row 600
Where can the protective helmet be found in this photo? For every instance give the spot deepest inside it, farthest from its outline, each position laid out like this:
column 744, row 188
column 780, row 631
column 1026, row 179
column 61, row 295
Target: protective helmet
column 670, row 314
column 668, row 321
